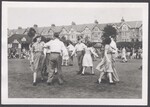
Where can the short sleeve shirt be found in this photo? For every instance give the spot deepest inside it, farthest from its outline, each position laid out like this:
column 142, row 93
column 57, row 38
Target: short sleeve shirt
column 38, row 46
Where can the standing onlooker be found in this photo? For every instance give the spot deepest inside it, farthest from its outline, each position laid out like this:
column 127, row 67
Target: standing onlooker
column 70, row 48
column 57, row 48
column 139, row 53
column 79, row 49
column 87, row 58
column 38, row 58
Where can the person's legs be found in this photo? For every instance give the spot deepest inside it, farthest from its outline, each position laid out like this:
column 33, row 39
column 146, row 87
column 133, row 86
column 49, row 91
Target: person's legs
column 66, row 63
column 35, row 67
column 100, row 77
column 92, row 70
column 79, row 58
column 71, row 60
column 59, row 70
column 50, row 69
column 110, row 77
column 80, row 62
column 83, row 70
column 42, row 66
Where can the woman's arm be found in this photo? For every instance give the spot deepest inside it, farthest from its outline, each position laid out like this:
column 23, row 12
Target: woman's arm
column 94, row 53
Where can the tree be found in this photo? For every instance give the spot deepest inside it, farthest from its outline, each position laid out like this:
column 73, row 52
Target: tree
column 109, row 30
column 73, row 23
column 31, row 32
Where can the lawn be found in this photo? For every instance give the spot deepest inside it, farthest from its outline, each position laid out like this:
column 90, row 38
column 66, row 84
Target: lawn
column 76, row 86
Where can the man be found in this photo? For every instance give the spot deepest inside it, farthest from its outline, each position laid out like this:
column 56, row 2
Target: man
column 114, row 47
column 70, row 49
column 114, row 55
column 57, row 48
column 79, row 49
column 38, row 58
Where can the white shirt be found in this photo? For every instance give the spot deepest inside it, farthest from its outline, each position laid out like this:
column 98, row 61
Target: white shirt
column 56, row 46
column 113, row 45
column 71, row 47
column 79, row 47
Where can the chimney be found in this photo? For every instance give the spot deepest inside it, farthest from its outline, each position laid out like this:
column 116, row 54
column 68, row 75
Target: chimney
column 73, row 23
column 19, row 27
column 96, row 22
column 122, row 20
column 35, row 25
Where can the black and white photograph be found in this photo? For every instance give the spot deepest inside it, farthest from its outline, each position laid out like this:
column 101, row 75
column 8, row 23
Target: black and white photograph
column 74, row 53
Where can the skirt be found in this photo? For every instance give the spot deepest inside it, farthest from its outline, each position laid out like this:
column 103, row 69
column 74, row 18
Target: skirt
column 38, row 61
column 87, row 60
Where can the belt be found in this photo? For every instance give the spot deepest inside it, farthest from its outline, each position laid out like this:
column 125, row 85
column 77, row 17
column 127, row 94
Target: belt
column 79, row 51
column 38, row 51
column 55, row 52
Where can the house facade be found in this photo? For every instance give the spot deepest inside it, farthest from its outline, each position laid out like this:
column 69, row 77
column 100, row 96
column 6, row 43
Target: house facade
column 128, row 31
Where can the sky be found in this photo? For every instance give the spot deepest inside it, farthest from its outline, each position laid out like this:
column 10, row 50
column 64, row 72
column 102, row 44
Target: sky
column 27, row 17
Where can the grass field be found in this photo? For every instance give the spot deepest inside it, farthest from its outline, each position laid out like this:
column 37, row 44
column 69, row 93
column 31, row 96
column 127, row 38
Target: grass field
column 76, row 86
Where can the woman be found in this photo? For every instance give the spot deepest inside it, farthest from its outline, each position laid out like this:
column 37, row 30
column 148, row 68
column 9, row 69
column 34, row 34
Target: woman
column 107, row 66
column 87, row 58
column 38, row 58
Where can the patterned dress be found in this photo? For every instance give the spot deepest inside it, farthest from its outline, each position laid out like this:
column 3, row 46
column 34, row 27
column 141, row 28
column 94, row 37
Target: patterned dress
column 38, row 56
column 108, row 65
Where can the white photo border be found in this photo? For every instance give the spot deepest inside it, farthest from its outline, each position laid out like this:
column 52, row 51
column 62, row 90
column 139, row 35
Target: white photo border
column 73, row 101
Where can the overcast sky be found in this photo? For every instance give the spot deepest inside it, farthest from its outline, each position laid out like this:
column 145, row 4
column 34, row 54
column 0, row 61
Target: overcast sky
column 27, row 17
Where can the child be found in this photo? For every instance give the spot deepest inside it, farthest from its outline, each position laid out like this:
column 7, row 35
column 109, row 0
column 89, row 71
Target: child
column 65, row 57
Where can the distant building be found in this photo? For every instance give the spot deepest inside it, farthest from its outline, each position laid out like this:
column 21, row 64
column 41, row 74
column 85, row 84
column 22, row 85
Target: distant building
column 128, row 31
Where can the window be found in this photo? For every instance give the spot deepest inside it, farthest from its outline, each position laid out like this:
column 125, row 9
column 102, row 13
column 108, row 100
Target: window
column 124, row 28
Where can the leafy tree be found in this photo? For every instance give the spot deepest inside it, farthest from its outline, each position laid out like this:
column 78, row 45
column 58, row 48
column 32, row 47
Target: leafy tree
column 31, row 32
column 109, row 30
column 73, row 23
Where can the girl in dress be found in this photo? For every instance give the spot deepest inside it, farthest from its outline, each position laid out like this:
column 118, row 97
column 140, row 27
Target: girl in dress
column 65, row 57
column 107, row 66
column 87, row 58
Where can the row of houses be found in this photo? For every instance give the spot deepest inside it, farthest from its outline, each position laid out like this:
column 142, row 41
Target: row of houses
column 128, row 31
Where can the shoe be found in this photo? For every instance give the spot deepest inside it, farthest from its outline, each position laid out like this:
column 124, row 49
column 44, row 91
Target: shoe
column 42, row 79
column 112, row 83
column 92, row 73
column 70, row 64
column 34, row 84
column 49, row 83
column 82, row 74
column 99, row 81
column 60, row 83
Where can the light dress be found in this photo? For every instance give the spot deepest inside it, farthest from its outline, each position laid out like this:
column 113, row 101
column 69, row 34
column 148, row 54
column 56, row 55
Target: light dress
column 106, row 66
column 87, row 58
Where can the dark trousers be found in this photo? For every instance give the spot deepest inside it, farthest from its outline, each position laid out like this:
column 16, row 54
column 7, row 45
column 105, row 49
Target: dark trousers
column 70, row 58
column 80, row 58
column 46, row 63
column 54, row 62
